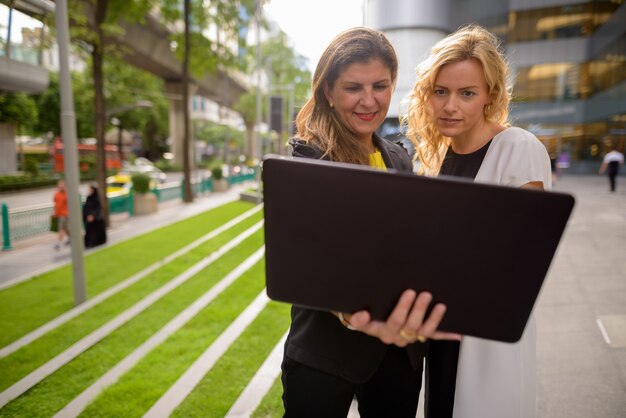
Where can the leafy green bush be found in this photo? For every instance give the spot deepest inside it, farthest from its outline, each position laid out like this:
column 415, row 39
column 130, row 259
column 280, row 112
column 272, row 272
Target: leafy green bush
column 216, row 172
column 24, row 182
column 19, row 109
column 30, row 168
column 141, row 183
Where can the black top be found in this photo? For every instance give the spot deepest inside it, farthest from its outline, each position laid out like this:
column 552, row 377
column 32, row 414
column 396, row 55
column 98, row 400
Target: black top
column 443, row 356
column 463, row 165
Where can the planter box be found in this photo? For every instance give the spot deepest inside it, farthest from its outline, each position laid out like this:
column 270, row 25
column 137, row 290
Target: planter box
column 249, row 196
column 220, row 185
column 145, row 203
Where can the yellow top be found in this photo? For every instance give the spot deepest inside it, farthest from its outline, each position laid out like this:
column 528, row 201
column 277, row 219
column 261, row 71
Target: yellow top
column 376, row 161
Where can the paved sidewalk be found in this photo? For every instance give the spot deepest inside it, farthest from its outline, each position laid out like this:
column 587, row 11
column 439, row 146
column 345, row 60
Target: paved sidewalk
column 581, row 314
column 34, row 256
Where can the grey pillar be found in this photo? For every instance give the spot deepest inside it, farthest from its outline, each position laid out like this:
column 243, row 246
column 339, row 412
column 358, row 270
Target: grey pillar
column 8, row 156
column 68, row 133
column 413, row 27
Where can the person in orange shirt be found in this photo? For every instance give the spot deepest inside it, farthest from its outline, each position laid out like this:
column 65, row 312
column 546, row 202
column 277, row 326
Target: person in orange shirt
column 61, row 213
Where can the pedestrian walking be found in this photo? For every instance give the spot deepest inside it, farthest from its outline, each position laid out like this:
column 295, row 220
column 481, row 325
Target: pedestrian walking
column 95, row 228
column 610, row 164
column 61, row 214
column 458, row 113
column 332, row 357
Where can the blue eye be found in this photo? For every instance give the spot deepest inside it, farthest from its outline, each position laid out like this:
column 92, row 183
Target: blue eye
column 439, row 92
column 468, row 94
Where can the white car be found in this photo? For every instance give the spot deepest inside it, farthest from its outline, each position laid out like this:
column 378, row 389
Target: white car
column 145, row 166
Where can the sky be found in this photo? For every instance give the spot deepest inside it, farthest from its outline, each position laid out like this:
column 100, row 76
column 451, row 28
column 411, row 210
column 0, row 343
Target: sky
column 311, row 24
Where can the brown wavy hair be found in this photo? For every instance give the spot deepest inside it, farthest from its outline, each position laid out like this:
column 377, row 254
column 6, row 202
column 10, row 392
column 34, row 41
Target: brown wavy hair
column 317, row 123
column 467, row 43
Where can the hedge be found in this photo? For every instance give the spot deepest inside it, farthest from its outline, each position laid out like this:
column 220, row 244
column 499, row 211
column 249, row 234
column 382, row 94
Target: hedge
column 24, row 182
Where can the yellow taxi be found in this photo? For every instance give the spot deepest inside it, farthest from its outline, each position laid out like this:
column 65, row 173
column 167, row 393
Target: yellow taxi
column 119, row 184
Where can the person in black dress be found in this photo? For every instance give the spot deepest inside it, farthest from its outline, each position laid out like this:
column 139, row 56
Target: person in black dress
column 95, row 229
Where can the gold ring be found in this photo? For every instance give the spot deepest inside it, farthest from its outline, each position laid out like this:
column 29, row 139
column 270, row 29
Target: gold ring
column 409, row 335
column 421, row 338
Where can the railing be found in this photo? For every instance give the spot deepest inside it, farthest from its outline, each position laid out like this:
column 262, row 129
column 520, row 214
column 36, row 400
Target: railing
column 24, row 223
column 240, row 178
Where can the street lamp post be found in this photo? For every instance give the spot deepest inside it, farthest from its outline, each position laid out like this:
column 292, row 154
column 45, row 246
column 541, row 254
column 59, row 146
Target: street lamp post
column 259, row 11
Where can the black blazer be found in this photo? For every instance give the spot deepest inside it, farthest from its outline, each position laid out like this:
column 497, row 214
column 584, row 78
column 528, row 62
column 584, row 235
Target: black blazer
column 316, row 338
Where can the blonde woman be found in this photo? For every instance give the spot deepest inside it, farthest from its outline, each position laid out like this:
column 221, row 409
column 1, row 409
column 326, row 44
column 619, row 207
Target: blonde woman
column 458, row 115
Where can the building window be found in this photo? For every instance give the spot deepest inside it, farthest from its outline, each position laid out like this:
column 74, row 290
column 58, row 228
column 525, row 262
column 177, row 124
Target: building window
column 609, row 68
column 564, row 81
column 559, row 81
column 24, row 42
column 569, row 21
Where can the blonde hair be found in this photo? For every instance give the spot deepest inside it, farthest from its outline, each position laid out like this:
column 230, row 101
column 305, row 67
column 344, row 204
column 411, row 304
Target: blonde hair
column 467, row 43
column 317, row 123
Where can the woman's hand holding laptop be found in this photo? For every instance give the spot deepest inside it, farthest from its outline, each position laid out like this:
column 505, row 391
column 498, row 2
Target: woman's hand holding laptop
column 407, row 323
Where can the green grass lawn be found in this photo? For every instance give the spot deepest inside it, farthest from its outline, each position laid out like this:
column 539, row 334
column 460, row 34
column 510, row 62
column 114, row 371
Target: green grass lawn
column 152, row 377
column 224, row 383
column 61, row 387
column 28, row 358
column 139, row 388
column 28, row 305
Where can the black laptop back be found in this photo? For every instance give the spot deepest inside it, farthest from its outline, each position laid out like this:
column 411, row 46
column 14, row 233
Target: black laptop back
column 345, row 238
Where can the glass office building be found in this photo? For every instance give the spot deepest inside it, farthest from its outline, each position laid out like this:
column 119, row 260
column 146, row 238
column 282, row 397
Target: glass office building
column 568, row 60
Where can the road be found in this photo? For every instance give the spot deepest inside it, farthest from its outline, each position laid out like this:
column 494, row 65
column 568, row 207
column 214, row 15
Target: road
column 28, row 198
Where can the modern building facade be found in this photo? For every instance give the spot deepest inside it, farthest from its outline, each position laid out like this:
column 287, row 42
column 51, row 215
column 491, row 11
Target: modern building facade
column 568, row 60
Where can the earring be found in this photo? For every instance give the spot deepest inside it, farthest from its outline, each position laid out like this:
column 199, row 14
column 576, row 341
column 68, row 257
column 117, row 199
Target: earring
column 332, row 106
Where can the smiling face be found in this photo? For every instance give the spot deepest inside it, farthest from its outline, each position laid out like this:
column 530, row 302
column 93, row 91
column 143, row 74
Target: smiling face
column 361, row 96
column 458, row 101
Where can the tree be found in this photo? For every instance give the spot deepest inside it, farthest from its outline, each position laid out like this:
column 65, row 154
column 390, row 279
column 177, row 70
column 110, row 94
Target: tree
column 18, row 109
column 96, row 21
column 246, row 106
column 49, row 106
column 287, row 68
column 209, row 54
column 124, row 85
column 93, row 22
column 221, row 137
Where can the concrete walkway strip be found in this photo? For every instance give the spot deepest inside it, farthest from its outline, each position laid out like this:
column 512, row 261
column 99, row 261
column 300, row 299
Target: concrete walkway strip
column 74, row 312
column 74, row 408
column 177, row 393
column 65, row 357
column 260, row 384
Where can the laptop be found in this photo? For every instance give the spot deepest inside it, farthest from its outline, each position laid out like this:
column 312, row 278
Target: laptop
column 345, row 237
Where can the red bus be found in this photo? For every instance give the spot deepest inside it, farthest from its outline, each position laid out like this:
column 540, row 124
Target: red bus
column 84, row 153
